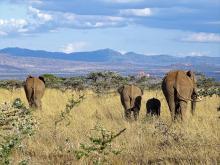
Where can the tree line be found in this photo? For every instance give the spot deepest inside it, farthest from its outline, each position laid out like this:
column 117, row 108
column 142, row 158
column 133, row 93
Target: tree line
column 103, row 82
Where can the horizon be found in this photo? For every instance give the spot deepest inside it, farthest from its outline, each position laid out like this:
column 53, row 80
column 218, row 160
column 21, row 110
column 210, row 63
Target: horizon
column 183, row 28
column 103, row 49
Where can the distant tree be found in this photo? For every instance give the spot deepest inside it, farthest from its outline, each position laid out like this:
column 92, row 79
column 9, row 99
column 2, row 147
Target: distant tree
column 208, row 86
column 11, row 84
column 53, row 81
column 76, row 83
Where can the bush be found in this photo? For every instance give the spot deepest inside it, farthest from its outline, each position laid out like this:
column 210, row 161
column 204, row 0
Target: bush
column 16, row 123
column 104, row 82
column 99, row 145
column 72, row 102
column 11, row 84
column 208, row 86
column 52, row 81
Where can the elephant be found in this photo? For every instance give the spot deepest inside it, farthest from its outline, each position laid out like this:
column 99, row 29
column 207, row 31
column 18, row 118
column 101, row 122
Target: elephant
column 34, row 89
column 131, row 96
column 179, row 87
column 153, row 107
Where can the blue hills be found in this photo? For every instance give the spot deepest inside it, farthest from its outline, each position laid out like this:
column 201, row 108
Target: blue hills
column 18, row 62
column 103, row 55
column 112, row 56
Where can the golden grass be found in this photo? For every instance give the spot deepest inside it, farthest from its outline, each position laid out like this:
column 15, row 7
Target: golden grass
column 147, row 141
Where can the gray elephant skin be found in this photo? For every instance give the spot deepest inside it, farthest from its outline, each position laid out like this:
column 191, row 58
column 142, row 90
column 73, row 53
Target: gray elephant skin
column 179, row 87
column 34, row 89
column 131, row 96
column 153, row 107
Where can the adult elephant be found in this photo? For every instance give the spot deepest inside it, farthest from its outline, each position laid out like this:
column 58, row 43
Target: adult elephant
column 34, row 89
column 179, row 87
column 153, row 107
column 131, row 96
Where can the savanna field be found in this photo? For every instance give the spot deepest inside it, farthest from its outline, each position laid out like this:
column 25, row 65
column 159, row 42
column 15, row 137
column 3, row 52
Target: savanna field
column 58, row 136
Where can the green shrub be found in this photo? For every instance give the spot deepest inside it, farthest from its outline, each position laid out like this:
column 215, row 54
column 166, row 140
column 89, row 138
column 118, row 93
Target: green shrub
column 16, row 123
column 11, row 84
column 99, row 145
column 72, row 102
column 104, row 82
column 208, row 86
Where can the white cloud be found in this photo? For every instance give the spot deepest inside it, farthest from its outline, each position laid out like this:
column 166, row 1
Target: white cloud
column 122, row 51
column 123, row 1
column 39, row 14
column 71, row 20
column 202, row 37
column 74, row 47
column 3, row 33
column 136, row 12
column 50, row 21
column 13, row 22
column 35, row 2
column 12, row 26
column 193, row 53
column 196, row 53
column 87, row 21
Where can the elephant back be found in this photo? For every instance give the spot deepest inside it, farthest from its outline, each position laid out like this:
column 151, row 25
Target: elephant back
column 183, row 85
column 130, row 90
column 35, row 85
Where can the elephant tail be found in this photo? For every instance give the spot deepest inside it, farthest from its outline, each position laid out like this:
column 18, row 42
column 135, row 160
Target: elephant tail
column 33, row 95
column 132, row 90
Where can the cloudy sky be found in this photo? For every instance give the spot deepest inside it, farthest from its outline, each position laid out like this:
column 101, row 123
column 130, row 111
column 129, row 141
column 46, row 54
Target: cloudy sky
column 181, row 27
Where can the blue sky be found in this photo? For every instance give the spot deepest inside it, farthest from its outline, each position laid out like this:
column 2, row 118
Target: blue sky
column 181, row 28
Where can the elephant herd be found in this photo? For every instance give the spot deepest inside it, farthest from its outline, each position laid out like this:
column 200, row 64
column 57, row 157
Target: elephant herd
column 178, row 87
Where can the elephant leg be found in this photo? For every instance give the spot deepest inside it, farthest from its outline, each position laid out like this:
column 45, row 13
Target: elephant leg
column 137, row 107
column 38, row 104
column 128, row 114
column 32, row 102
column 152, row 112
column 29, row 98
column 148, row 111
column 193, row 106
column 136, row 113
column 177, row 110
column 158, row 112
column 171, row 104
column 183, row 110
column 127, row 108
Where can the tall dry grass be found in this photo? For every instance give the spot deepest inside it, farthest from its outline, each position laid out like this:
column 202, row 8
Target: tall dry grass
column 147, row 141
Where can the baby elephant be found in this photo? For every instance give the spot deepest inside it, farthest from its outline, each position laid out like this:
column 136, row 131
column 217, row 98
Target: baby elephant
column 153, row 107
column 131, row 100
column 34, row 89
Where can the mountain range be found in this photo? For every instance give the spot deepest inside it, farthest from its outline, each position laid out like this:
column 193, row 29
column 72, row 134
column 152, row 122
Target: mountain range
column 17, row 62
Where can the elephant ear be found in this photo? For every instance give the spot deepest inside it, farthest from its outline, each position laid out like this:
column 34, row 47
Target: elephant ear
column 189, row 73
column 42, row 78
column 192, row 76
column 120, row 89
column 183, row 85
column 29, row 76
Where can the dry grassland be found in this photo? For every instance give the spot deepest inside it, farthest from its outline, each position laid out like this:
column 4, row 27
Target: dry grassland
column 147, row 141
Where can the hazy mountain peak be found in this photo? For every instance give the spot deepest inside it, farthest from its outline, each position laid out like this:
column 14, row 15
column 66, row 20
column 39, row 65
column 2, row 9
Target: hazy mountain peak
column 21, row 60
column 108, row 55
